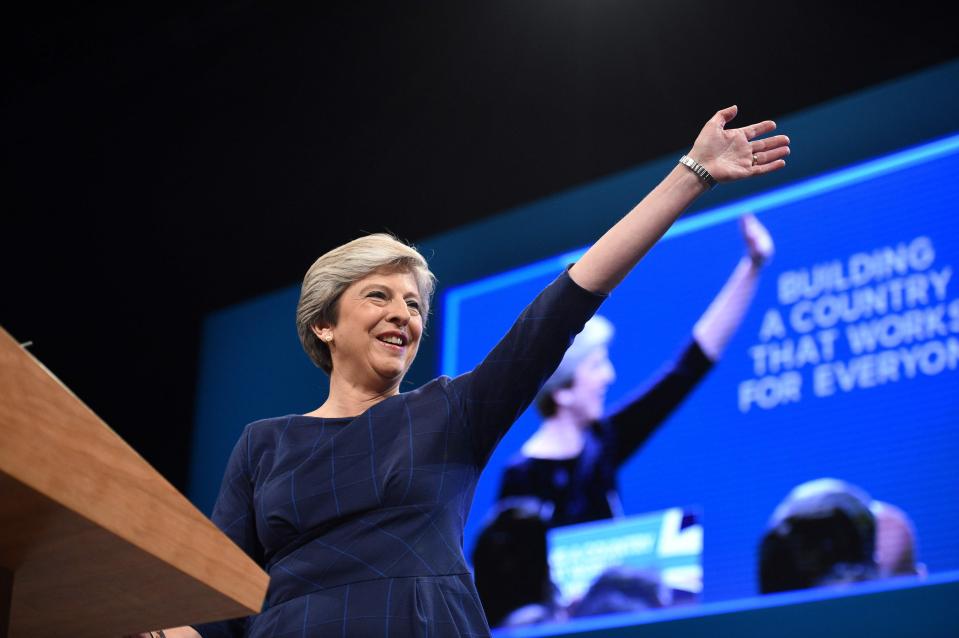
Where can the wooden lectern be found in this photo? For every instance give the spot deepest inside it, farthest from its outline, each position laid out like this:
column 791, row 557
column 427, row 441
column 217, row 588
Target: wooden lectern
column 93, row 541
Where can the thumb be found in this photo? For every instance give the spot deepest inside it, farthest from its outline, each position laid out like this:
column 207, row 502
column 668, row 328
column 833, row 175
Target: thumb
column 726, row 115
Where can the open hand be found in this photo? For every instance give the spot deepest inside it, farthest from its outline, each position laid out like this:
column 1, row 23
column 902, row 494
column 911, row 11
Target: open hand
column 731, row 154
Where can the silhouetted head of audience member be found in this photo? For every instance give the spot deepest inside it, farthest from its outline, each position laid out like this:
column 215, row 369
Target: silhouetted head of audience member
column 510, row 564
column 622, row 589
column 822, row 534
column 895, row 542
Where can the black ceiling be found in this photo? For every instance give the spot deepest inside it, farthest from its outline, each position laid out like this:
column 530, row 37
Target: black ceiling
column 162, row 160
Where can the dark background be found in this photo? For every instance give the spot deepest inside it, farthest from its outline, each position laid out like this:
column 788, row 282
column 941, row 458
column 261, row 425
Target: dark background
column 164, row 160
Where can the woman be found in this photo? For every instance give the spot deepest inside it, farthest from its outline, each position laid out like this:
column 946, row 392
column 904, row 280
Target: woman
column 357, row 509
column 570, row 462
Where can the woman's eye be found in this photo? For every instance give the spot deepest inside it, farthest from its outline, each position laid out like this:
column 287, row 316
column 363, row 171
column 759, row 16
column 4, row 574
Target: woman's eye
column 413, row 305
column 376, row 294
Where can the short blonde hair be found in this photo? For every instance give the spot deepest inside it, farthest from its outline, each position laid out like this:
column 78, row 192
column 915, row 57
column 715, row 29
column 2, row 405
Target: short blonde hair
column 336, row 270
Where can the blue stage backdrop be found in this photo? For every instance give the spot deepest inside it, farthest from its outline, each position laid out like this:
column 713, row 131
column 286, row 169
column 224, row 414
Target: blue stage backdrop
column 879, row 414
column 845, row 365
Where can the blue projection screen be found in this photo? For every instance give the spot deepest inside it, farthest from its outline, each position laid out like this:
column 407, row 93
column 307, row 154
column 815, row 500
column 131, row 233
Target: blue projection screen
column 845, row 365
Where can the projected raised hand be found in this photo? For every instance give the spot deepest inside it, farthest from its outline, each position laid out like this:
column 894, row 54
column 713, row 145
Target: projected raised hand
column 759, row 243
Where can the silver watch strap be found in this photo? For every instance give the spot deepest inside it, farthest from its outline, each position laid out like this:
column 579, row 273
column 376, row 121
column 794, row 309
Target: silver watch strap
column 699, row 169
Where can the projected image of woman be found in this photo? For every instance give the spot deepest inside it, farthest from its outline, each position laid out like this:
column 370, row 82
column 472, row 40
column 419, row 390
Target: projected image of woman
column 570, row 462
column 356, row 509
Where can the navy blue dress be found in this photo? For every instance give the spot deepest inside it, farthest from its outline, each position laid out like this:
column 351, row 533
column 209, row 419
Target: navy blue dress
column 359, row 521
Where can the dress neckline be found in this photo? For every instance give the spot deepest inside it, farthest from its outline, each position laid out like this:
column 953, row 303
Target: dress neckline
column 350, row 418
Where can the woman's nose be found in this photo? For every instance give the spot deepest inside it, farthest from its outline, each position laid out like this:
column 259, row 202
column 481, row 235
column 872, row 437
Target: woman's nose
column 399, row 312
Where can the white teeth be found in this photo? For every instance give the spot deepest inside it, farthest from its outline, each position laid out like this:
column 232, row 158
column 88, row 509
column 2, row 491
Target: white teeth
column 396, row 341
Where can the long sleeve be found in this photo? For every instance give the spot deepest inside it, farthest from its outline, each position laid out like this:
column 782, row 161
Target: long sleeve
column 234, row 515
column 634, row 420
column 496, row 392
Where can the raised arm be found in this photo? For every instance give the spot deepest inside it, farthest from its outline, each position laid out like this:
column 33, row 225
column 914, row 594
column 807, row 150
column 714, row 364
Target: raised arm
column 635, row 419
column 726, row 312
column 496, row 392
column 727, row 154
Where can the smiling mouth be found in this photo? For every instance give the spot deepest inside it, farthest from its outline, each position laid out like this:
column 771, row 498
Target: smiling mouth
column 393, row 341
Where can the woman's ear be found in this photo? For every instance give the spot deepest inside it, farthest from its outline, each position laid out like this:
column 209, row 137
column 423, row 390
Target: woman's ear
column 323, row 333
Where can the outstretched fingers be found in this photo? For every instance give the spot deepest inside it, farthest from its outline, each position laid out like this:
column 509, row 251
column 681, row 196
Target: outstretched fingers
column 760, row 128
column 769, row 154
column 769, row 143
column 773, row 155
column 769, row 162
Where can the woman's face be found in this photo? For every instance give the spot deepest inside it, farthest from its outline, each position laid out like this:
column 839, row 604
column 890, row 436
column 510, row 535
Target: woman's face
column 586, row 398
column 378, row 330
